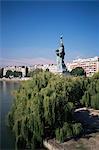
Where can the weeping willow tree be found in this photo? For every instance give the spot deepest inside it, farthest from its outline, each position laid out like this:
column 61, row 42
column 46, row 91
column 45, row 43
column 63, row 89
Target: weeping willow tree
column 43, row 107
column 91, row 95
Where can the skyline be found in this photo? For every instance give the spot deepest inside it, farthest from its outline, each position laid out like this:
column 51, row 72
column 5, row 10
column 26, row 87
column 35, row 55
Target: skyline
column 31, row 30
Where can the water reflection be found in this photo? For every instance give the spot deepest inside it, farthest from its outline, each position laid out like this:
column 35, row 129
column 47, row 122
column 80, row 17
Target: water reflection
column 6, row 136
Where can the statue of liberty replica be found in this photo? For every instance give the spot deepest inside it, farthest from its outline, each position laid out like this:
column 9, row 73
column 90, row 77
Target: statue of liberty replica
column 61, row 67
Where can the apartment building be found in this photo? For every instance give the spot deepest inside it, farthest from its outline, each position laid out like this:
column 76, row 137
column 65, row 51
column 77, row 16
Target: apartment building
column 90, row 65
column 52, row 67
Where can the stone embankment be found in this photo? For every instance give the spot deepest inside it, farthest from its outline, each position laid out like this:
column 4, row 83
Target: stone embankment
column 52, row 145
column 15, row 79
column 91, row 111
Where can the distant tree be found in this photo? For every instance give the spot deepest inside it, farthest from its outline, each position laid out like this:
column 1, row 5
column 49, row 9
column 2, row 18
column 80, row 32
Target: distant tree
column 78, row 71
column 26, row 71
column 14, row 74
column 17, row 74
column 1, row 72
column 9, row 73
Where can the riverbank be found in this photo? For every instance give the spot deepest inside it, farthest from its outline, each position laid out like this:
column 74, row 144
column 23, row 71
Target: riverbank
column 89, row 141
column 15, row 79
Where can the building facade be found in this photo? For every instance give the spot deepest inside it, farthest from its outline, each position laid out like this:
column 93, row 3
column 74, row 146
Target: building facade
column 51, row 67
column 90, row 65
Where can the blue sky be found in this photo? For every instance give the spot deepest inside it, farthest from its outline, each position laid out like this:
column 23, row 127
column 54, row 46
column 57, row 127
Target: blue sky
column 31, row 29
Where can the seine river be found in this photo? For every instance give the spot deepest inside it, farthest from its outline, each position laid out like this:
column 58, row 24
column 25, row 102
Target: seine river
column 7, row 139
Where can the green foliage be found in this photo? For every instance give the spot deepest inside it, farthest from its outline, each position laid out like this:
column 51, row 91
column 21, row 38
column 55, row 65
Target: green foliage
column 95, row 101
column 77, row 129
column 17, row 74
column 86, row 99
column 36, row 71
column 10, row 73
column 68, row 130
column 78, row 71
column 57, row 133
column 20, row 142
column 91, row 95
column 96, row 76
column 43, row 107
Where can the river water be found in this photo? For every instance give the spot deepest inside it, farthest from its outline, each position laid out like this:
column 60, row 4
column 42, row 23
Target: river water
column 7, row 139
